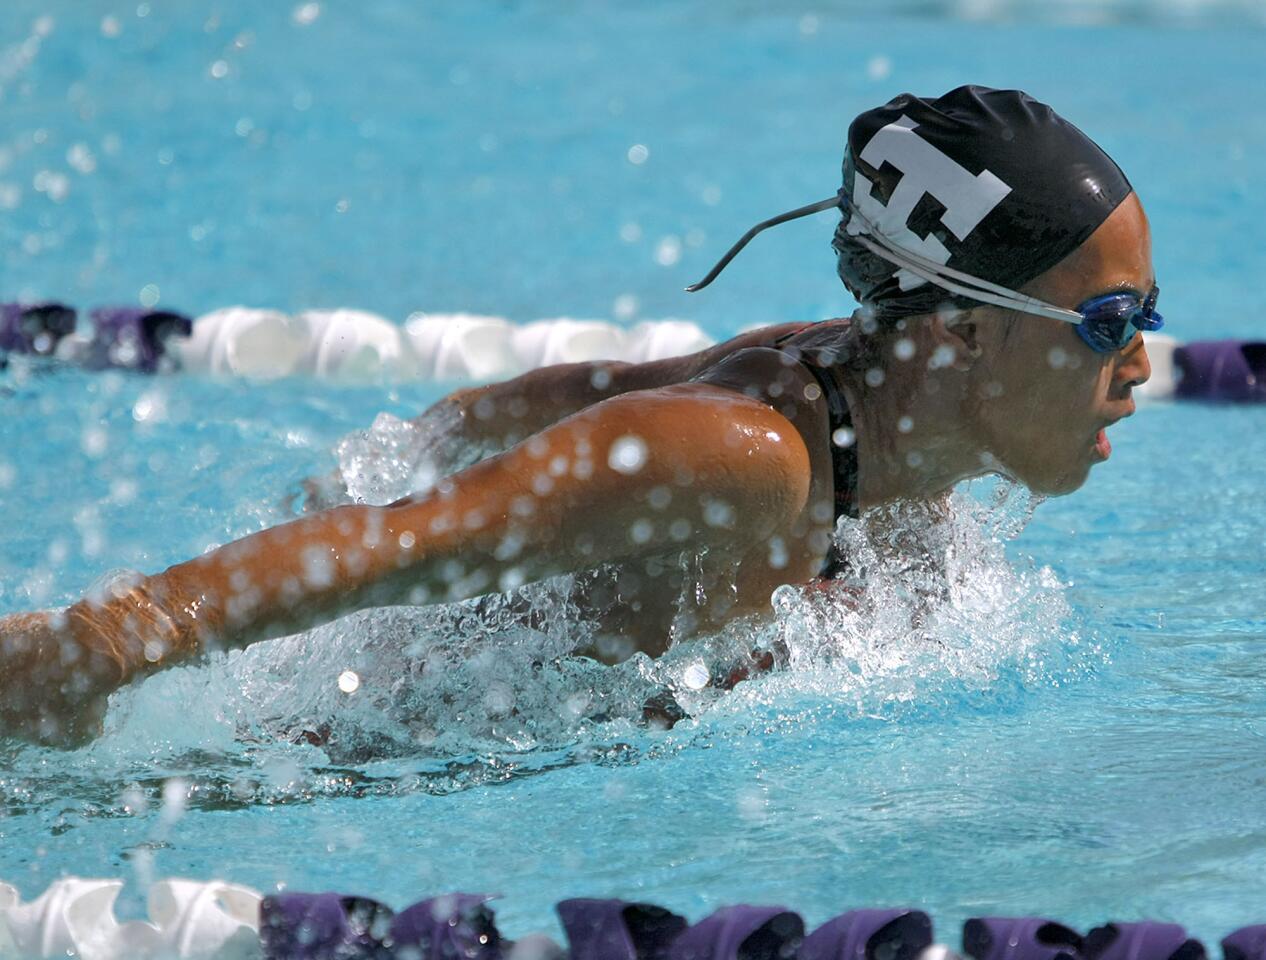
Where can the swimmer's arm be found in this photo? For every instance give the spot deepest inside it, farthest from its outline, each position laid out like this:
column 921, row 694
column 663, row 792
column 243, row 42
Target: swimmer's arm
column 566, row 500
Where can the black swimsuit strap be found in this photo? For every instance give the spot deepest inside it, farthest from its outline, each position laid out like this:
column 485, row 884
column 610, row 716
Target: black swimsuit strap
column 843, row 457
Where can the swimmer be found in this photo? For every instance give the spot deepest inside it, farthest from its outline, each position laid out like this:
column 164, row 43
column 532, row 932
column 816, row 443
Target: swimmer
column 1003, row 266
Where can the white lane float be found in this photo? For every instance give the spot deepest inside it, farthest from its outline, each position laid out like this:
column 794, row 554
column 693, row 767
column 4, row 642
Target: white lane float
column 1163, row 381
column 354, row 345
column 345, row 345
column 75, row 917
column 565, row 340
column 461, row 346
column 243, row 342
column 661, row 339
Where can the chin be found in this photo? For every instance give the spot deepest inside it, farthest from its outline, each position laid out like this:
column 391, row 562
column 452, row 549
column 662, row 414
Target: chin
column 1051, row 481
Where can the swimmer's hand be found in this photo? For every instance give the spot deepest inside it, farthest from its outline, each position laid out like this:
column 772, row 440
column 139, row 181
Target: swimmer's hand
column 317, row 493
column 53, row 688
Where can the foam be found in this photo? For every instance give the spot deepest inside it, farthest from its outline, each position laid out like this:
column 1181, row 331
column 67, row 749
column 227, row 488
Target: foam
column 944, row 616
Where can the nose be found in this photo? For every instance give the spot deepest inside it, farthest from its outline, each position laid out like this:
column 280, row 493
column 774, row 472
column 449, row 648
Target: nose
column 1133, row 368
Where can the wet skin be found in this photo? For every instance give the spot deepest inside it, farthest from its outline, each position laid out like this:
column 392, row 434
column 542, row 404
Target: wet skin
column 636, row 467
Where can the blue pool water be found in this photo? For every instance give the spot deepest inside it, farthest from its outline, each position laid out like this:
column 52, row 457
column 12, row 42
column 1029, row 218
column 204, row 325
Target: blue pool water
column 1079, row 733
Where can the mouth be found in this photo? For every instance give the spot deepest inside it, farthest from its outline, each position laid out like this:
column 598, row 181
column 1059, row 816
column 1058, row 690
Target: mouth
column 1103, row 446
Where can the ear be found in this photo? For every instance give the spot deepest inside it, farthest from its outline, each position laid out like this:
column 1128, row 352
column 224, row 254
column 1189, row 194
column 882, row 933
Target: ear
column 959, row 333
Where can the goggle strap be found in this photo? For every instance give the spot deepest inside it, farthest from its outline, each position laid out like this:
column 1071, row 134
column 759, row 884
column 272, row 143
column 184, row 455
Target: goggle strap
column 1012, row 301
column 877, row 243
column 942, row 276
column 763, row 225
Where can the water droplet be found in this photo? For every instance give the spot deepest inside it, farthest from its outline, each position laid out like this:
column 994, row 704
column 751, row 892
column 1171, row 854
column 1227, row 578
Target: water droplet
column 903, row 349
column 306, row 13
column 134, row 801
column 81, row 159
column 638, row 154
column 175, row 797
column 777, row 553
column 942, row 356
column 52, row 184
column 627, row 454
column 625, row 306
column 718, row 513
column 878, row 67
column 349, row 681
column 94, row 442
column 149, row 295
column 318, row 566
column 696, row 676
column 668, row 251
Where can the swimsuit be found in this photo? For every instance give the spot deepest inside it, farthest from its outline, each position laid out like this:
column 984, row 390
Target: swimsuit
column 843, row 457
column 819, row 359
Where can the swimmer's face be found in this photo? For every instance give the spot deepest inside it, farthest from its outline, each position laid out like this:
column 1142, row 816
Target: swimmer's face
column 1044, row 396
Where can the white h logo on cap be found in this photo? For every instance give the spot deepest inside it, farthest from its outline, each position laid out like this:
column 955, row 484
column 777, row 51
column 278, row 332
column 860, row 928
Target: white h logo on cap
column 967, row 198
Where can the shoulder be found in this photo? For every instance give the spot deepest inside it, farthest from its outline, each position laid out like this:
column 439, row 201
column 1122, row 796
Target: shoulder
column 824, row 343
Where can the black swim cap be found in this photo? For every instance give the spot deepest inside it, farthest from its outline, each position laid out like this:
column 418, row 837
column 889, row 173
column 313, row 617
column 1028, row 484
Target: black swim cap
column 988, row 182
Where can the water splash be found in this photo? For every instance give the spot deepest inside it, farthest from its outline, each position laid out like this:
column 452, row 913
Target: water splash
column 930, row 615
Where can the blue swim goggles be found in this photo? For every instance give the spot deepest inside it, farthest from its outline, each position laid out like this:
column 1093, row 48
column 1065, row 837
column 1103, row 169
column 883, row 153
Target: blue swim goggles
column 1105, row 323
column 1108, row 323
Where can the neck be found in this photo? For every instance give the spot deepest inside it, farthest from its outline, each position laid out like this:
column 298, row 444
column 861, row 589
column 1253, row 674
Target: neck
column 915, row 436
